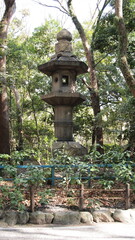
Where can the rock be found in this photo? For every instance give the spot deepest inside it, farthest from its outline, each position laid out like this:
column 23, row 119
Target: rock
column 3, row 224
column 132, row 215
column 1, row 214
column 37, row 217
column 53, row 209
column 11, row 218
column 102, row 216
column 23, row 217
column 86, row 217
column 125, row 216
column 66, row 218
column 49, row 218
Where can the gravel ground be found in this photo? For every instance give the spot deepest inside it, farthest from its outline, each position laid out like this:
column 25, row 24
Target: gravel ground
column 97, row 231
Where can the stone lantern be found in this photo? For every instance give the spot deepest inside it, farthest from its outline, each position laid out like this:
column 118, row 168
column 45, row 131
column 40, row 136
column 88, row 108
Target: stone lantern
column 64, row 68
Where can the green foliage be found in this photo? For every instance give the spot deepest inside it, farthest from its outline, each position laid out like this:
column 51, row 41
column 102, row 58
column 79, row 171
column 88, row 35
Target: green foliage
column 16, row 199
column 29, row 156
column 12, row 198
column 10, row 171
column 113, row 90
column 19, row 156
column 83, row 124
column 75, row 169
column 124, row 172
column 114, row 165
column 127, row 115
column 4, row 159
column 106, row 184
column 24, row 56
column 106, row 37
column 115, row 157
column 44, row 196
column 69, row 173
column 4, row 156
column 34, row 176
column 121, row 168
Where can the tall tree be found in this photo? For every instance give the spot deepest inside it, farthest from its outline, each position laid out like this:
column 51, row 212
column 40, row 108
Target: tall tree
column 111, row 45
column 4, row 118
column 93, row 86
column 123, row 47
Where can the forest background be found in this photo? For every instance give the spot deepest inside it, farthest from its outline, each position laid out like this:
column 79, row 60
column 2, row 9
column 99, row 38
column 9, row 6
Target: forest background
column 105, row 121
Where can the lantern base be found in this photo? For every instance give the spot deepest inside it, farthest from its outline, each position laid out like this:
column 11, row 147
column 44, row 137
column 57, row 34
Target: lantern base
column 71, row 148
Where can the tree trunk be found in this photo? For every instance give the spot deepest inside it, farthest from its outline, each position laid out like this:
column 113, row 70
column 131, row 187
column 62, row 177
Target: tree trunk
column 35, row 118
column 93, row 87
column 123, row 47
column 4, row 117
column 19, row 119
column 4, row 122
column 98, row 121
column 131, row 142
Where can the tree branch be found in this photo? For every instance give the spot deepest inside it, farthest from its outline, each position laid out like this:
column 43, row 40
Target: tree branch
column 97, row 8
column 106, row 2
column 81, row 33
column 86, row 84
column 101, row 59
column 53, row 6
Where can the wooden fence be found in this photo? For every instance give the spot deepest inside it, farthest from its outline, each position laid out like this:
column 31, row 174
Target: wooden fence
column 126, row 195
column 81, row 197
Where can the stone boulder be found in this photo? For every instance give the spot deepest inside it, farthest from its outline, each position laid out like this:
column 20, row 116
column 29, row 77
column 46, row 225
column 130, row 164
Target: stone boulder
column 23, row 217
column 37, row 217
column 102, row 216
column 53, row 209
column 66, row 218
column 86, row 217
column 125, row 216
column 1, row 214
column 11, row 218
column 132, row 215
column 49, row 218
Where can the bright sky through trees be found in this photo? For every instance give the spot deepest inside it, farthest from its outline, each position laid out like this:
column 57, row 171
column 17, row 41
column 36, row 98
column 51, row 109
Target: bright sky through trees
column 38, row 14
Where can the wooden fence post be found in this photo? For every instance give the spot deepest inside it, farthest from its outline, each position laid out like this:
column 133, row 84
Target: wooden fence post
column 89, row 178
column 32, row 198
column 53, row 176
column 81, row 197
column 127, row 196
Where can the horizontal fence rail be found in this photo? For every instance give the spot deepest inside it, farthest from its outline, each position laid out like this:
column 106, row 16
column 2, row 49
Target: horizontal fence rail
column 53, row 168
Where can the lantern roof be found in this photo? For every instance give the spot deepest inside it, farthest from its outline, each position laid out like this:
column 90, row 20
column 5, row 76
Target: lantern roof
column 63, row 59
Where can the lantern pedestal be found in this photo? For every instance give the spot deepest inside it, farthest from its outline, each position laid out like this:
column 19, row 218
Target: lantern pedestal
column 71, row 148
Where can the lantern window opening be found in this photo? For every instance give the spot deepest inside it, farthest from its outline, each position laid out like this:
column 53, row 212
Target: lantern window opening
column 56, row 80
column 65, row 80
